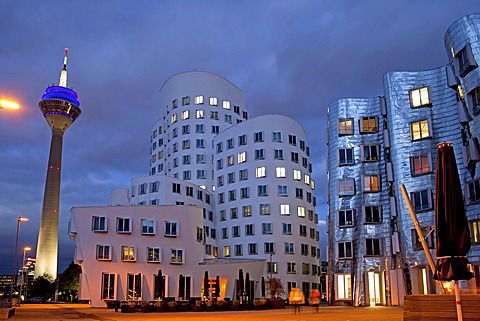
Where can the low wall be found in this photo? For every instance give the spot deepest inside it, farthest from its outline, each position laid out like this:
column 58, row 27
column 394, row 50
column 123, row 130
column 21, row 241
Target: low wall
column 440, row 307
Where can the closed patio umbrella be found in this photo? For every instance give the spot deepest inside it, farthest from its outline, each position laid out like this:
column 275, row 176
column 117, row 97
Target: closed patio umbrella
column 159, row 293
column 217, row 287
column 205, row 285
column 263, row 287
column 452, row 233
column 241, row 284
column 181, row 287
column 247, row 286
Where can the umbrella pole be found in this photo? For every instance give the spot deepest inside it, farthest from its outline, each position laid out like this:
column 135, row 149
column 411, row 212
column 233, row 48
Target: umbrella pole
column 458, row 302
column 420, row 235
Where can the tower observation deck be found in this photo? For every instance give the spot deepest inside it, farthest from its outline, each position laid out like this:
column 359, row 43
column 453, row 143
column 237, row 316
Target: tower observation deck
column 60, row 107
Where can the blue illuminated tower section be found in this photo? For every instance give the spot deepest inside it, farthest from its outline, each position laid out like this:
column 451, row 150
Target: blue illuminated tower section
column 60, row 107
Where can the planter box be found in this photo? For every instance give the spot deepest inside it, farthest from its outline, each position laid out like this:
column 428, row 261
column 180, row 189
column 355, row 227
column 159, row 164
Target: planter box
column 440, row 307
column 277, row 304
column 128, row 309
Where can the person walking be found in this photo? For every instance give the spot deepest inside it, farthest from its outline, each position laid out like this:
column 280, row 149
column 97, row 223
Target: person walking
column 314, row 300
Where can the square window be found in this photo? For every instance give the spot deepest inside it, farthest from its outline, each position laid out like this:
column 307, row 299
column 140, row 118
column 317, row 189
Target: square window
column 291, row 267
column 269, row 248
column 422, row 200
column 99, row 223
column 213, row 101
column 420, row 130
column 421, row 164
column 278, row 154
column 214, row 115
column 282, row 190
column 242, row 140
column 300, row 211
column 154, row 255
column 344, row 250
column 280, row 171
column 226, row 104
column 346, row 186
column 124, row 225
column 369, row 153
column 171, row 229
column 148, row 226
column 198, row 100
column 103, row 252
column 371, row 183
column 259, row 154
column 176, row 256
column 267, row 228
column 238, row 249
column 243, row 174
column 244, row 192
column 286, row 228
column 247, row 210
column 368, row 125
column 345, row 156
column 284, row 209
column 258, row 137
column 345, row 218
column 242, row 157
column 289, row 248
column 372, row 214
column 345, row 126
column 262, row 190
column 264, row 209
column 419, row 97
column 128, row 253
column 277, row 137
column 260, row 172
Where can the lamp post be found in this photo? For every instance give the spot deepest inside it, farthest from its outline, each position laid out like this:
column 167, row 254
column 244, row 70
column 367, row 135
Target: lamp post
column 271, row 266
column 19, row 220
column 24, row 272
column 7, row 104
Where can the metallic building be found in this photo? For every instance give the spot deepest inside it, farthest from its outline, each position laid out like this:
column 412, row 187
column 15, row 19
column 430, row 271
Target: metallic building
column 60, row 107
column 374, row 146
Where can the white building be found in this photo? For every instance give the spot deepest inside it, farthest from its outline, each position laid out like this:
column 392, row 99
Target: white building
column 249, row 180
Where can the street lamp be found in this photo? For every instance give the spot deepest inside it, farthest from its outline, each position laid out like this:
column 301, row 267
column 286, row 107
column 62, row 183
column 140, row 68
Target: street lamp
column 7, row 104
column 19, row 220
column 24, row 273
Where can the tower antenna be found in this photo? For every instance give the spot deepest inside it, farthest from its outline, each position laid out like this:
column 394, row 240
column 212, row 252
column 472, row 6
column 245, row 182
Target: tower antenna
column 63, row 73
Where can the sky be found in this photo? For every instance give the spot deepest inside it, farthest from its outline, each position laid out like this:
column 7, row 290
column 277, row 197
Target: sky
column 290, row 57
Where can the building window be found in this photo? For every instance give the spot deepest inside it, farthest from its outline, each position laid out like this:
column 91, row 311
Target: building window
column 371, row 183
column 230, row 143
column 176, row 188
column 134, row 286
column 258, row 137
column 372, row 214
column 421, row 164
column 252, row 248
column 345, row 126
column 372, row 247
column 427, row 234
column 198, row 100
column 297, row 174
column 280, row 171
column 244, row 192
column 303, row 230
column 186, row 144
column 346, row 187
column 369, row 153
column 291, row 267
column 247, row 211
column 124, row 225
column 267, row 228
column 289, row 248
column 236, row 109
column 226, row 104
column 243, row 174
column 213, row 101
column 269, row 247
column 249, row 230
column 422, row 200
column 298, row 193
column 154, row 255
column 368, row 125
column 305, row 268
column 287, row 228
column 200, row 128
column 284, row 209
column 262, row 190
column 221, row 198
column 214, row 115
column 260, row 172
column 231, row 177
column 277, row 137
column 176, row 256
column 419, row 130
column 292, row 140
column 345, row 218
column 242, row 140
column 259, row 154
column 242, row 157
column 345, row 156
column 128, row 254
column 224, row 233
column 189, row 190
column 228, row 119
column 344, row 250
column 231, row 195
column 185, row 114
column 235, row 231
column 294, row 157
column 282, row 190
column 148, row 227
column 473, row 191
column 199, row 114
column 300, row 211
column 475, row 231
column 278, row 153
column 104, row 253
column 306, row 180
column 272, row 267
column 238, row 249
column 474, row 97
column 171, row 229
column 200, row 143
column 344, row 286
column 466, row 60
column 99, row 223
column 108, row 286
column 264, row 209
column 419, row 97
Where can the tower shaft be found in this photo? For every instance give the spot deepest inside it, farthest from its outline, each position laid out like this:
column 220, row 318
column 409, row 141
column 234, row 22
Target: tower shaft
column 47, row 247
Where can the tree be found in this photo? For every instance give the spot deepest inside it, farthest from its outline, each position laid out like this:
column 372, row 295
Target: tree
column 69, row 282
column 275, row 287
column 42, row 287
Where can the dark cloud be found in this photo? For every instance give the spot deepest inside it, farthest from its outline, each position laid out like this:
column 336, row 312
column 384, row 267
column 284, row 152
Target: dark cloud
column 288, row 57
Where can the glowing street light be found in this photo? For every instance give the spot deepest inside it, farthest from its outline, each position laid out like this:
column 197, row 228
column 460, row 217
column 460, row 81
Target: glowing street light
column 7, row 104
column 19, row 220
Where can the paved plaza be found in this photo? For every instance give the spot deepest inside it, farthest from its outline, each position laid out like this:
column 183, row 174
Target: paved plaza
column 60, row 312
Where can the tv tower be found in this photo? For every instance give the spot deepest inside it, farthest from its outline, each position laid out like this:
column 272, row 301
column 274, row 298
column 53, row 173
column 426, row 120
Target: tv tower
column 60, row 107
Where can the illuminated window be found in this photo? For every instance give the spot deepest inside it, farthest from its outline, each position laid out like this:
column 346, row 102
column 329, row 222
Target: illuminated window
column 247, row 210
column 226, row 104
column 174, row 118
column 368, row 125
column 198, row 100
column 185, row 114
column 419, row 97
column 280, row 171
column 420, row 164
column 345, row 126
column 419, row 130
column 344, row 287
column 345, row 218
column 199, row 113
column 300, row 211
column 284, row 209
column 371, row 183
column 345, row 156
column 306, row 179
column 297, row 174
column 176, row 256
column 475, row 231
column 242, row 157
column 226, row 251
column 264, row 209
column 230, row 160
column 213, row 101
column 128, row 253
column 154, row 255
column 260, row 172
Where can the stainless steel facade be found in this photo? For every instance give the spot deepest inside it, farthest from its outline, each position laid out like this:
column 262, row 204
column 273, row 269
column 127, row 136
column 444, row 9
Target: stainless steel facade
column 419, row 110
